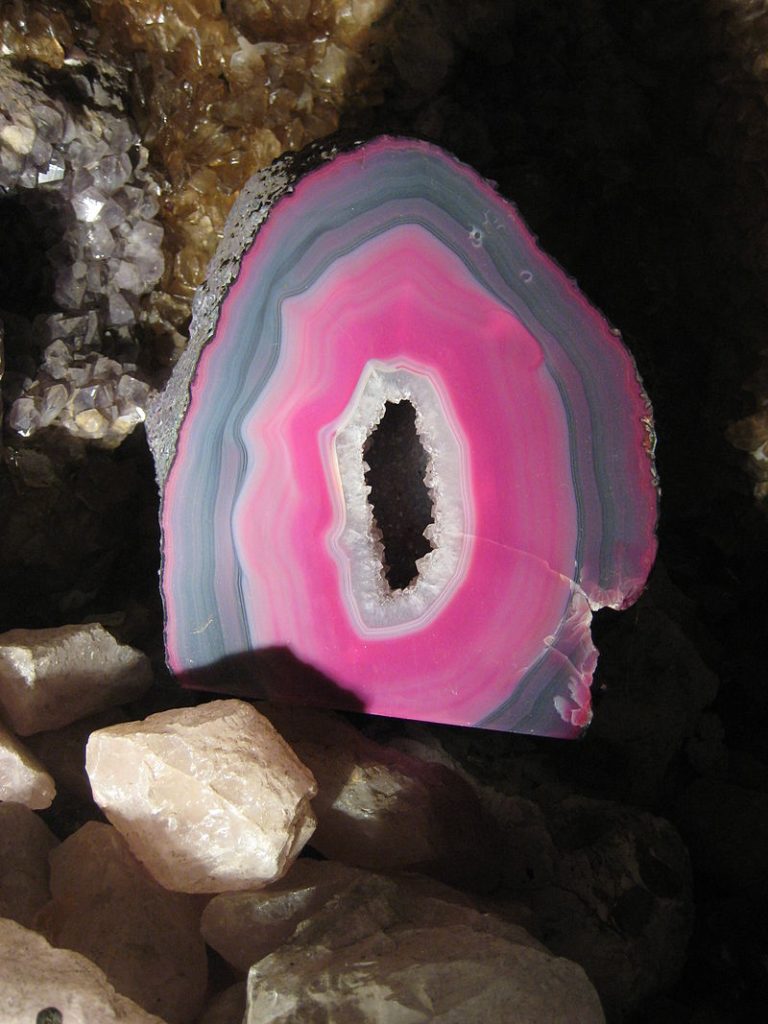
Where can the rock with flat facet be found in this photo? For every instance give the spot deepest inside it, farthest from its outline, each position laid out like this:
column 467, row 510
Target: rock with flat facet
column 243, row 927
column 228, row 1007
column 209, row 798
column 25, row 842
column 382, row 809
column 385, row 953
column 23, row 779
column 146, row 939
column 34, row 977
column 51, row 677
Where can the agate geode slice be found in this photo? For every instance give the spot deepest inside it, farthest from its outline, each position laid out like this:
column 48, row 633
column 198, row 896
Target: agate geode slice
column 352, row 280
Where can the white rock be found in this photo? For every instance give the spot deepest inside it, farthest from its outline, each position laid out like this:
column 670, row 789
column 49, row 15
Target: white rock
column 210, row 798
column 23, row 779
column 34, row 976
column 385, row 953
column 146, row 940
column 25, row 842
column 51, row 677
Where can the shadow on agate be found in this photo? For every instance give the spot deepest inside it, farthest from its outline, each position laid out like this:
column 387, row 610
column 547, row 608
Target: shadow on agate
column 272, row 673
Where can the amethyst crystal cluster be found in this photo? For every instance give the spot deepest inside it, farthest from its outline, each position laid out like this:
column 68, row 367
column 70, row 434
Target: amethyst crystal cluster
column 75, row 169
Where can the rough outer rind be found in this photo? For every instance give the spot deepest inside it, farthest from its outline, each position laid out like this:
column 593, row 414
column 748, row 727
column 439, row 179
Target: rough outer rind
column 248, row 213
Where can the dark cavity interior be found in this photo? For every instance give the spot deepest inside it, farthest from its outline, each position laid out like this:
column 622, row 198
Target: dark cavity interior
column 401, row 503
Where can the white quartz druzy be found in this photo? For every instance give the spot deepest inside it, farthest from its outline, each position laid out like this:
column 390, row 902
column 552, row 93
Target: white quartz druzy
column 210, row 798
column 51, row 677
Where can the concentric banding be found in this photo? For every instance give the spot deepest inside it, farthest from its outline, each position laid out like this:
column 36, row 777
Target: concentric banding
column 386, row 272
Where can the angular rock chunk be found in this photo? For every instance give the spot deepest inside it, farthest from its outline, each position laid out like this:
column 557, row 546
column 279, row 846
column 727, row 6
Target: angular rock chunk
column 23, row 779
column 384, row 953
column 381, row 809
column 34, row 977
column 25, row 842
column 146, row 940
column 243, row 927
column 51, row 677
column 209, row 798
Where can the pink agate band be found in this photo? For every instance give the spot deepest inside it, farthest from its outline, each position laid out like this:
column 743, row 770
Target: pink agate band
column 392, row 272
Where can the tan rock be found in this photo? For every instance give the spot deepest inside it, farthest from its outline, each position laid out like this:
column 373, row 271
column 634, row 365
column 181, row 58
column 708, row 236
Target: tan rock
column 25, row 842
column 146, row 940
column 228, row 1007
column 23, row 779
column 209, row 798
column 383, row 953
column 51, row 677
column 243, row 927
column 34, row 976
column 382, row 809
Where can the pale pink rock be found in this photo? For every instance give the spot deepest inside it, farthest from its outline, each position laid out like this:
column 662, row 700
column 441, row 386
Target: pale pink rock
column 146, row 939
column 228, row 1007
column 25, row 842
column 62, row 751
column 385, row 951
column 34, row 976
column 23, row 779
column 210, row 798
column 382, row 809
column 243, row 927
column 51, row 677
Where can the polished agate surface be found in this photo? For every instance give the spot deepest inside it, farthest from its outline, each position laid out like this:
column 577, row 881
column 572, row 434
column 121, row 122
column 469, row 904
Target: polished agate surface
column 351, row 281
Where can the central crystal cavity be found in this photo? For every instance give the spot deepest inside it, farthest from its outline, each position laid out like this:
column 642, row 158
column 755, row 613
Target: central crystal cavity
column 403, row 534
column 401, row 502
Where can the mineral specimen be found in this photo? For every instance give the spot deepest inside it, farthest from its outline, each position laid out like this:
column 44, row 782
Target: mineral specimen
column 51, row 677
column 387, row 952
column 350, row 281
column 35, row 978
column 79, row 206
column 145, row 939
column 210, row 799
column 25, row 842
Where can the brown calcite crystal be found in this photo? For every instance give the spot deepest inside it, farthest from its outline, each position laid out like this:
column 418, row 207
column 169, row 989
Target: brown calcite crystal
column 209, row 798
column 381, row 809
column 35, row 977
column 146, row 939
column 384, row 952
column 25, row 842
column 51, row 677
column 259, row 78
column 23, row 779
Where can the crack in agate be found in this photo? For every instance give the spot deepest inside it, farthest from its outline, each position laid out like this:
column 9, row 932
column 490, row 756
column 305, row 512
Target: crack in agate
column 391, row 272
